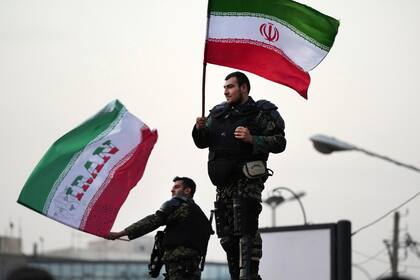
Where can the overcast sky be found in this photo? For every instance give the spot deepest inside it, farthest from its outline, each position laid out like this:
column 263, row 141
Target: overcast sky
column 62, row 61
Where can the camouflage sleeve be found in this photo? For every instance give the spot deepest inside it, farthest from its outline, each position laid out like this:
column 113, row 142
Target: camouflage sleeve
column 201, row 137
column 146, row 225
column 168, row 215
column 272, row 138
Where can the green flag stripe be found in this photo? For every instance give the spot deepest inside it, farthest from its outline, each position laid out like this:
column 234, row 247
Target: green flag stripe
column 319, row 27
column 40, row 183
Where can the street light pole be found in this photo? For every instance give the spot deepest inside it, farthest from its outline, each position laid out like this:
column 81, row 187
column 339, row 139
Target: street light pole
column 327, row 145
column 297, row 197
column 276, row 199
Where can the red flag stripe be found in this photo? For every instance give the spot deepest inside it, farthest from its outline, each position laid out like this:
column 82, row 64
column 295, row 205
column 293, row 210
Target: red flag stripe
column 260, row 61
column 104, row 208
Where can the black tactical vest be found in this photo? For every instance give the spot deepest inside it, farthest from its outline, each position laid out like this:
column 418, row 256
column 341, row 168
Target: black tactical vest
column 226, row 153
column 225, row 120
column 193, row 232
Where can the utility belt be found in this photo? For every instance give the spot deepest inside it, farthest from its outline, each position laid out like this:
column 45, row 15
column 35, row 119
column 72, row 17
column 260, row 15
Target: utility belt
column 222, row 170
column 256, row 169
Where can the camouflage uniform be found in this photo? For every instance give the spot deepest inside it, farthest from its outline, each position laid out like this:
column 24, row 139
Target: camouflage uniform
column 267, row 129
column 181, row 262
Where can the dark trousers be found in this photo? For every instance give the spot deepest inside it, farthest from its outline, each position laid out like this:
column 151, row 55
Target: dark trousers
column 182, row 263
column 183, row 270
column 242, row 236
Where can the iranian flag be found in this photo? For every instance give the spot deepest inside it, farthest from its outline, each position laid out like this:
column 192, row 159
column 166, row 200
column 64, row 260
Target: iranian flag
column 280, row 40
column 86, row 175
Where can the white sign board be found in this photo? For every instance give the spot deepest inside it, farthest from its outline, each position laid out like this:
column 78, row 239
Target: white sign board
column 297, row 255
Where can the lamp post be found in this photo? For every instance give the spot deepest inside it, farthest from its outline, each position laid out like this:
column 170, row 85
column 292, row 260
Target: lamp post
column 276, row 199
column 327, row 145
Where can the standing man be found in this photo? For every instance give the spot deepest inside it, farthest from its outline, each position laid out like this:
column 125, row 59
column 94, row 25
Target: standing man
column 186, row 234
column 240, row 133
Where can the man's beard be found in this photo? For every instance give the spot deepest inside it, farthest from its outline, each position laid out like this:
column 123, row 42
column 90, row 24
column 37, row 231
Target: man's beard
column 239, row 101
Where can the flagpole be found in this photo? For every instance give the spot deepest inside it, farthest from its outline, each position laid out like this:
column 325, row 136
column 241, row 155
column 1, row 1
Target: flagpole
column 203, row 82
column 203, row 90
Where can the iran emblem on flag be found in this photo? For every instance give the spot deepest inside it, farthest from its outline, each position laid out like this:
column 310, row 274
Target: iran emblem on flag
column 280, row 40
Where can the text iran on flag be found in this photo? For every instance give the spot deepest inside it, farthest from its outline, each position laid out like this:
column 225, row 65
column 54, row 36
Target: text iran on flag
column 280, row 40
column 86, row 175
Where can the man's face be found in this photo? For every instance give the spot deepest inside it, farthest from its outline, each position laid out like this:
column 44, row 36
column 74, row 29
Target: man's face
column 178, row 189
column 233, row 93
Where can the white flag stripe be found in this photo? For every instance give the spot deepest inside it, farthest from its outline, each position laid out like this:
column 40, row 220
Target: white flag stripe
column 125, row 136
column 302, row 52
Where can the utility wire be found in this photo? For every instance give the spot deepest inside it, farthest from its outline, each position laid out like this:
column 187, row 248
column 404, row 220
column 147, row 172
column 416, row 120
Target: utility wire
column 376, row 259
column 383, row 273
column 411, row 266
column 369, row 258
column 362, row 269
column 386, row 214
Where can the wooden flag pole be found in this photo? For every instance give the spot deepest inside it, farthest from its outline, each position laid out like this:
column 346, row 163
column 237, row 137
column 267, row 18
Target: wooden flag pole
column 203, row 82
column 203, row 91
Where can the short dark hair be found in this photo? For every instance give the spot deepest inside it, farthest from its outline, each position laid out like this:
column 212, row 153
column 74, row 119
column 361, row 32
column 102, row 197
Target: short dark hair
column 241, row 78
column 187, row 183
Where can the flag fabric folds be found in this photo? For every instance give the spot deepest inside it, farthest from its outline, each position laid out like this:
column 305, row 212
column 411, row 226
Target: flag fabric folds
column 280, row 40
column 86, row 175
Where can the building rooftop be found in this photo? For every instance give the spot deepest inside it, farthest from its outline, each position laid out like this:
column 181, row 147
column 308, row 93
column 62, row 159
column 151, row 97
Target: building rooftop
column 138, row 250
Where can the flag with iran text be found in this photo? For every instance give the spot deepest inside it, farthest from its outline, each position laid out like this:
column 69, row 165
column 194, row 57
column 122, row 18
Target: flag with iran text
column 280, row 40
column 86, row 175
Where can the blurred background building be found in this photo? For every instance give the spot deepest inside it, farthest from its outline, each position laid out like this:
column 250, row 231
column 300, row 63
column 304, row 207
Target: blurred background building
column 100, row 259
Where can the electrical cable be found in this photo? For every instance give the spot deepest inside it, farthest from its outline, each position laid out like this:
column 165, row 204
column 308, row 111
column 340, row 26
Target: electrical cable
column 372, row 257
column 386, row 214
column 383, row 273
column 362, row 269
column 411, row 266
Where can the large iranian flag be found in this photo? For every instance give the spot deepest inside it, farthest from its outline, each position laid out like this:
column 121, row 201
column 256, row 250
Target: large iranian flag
column 280, row 40
column 86, row 175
